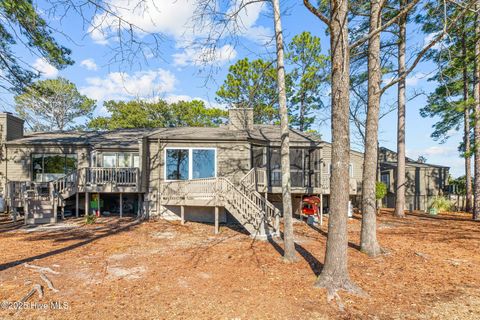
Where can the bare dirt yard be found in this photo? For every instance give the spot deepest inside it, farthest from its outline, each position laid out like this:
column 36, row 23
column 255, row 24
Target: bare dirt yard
column 124, row 269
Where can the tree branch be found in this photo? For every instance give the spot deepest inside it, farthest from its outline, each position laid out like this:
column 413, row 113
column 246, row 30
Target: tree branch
column 402, row 12
column 428, row 47
column 317, row 12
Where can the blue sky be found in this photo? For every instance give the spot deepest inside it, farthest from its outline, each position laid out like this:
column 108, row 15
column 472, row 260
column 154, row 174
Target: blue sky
column 175, row 72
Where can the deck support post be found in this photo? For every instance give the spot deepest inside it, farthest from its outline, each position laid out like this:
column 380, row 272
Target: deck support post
column 321, row 209
column 55, row 209
column 76, row 204
column 182, row 214
column 121, row 204
column 86, row 204
column 139, row 212
column 63, row 211
column 217, row 218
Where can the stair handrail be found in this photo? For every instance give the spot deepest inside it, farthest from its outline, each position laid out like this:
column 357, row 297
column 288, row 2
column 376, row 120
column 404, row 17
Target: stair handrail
column 272, row 213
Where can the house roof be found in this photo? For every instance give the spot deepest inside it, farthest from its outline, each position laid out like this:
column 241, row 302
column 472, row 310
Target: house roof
column 129, row 137
column 115, row 138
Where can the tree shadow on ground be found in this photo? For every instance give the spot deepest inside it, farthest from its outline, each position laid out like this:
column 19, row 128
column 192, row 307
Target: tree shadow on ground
column 102, row 232
column 7, row 224
column 324, row 233
column 313, row 262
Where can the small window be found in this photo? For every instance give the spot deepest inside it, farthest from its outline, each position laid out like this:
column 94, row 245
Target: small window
column 385, row 178
column 177, row 164
column 203, row 165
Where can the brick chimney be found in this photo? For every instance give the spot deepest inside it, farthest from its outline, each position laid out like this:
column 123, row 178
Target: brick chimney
column 11, row 127
column 240, row 118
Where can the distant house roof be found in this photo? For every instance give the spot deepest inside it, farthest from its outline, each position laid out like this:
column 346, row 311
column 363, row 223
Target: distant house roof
column 129, row 137
column 390, row 159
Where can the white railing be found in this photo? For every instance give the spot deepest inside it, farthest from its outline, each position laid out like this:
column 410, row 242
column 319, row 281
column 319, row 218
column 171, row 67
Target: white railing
column 249, row 206
column 249, row 185
column 116, row 176
column 245, row 199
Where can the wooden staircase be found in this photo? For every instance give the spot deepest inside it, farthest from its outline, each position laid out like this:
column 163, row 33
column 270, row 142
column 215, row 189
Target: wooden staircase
column 257, row 215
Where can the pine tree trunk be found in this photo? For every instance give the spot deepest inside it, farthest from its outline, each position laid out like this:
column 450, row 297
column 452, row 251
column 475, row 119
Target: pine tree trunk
column 368, row 240
column 476, row 97
column 289, row 244
column 400, row 178
column 334, row 275
column 302, row 114
column 466, row 133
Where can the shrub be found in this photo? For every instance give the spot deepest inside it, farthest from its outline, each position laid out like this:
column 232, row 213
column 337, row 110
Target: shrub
column 441, row 203
column 380, row 190
column 90, row 218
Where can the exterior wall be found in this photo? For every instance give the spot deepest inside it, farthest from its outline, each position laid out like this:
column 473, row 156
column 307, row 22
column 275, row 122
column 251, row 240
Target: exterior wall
column 356, row 159
column 233, row 162
column 423, row 184
column 11, row 127
column 17, row 165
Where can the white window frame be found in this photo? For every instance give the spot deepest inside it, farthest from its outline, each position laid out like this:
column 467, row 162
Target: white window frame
column 190, row 162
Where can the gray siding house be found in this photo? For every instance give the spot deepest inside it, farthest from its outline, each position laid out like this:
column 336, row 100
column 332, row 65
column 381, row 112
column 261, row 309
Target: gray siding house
column 222, row 174
column 424, row 181
column 186, row 173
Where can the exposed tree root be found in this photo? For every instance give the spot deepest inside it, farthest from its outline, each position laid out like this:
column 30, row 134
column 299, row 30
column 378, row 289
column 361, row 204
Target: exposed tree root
column 333, row 286
column 41, row 269
column 36, row 288
column 376, row 251
column 48, row 282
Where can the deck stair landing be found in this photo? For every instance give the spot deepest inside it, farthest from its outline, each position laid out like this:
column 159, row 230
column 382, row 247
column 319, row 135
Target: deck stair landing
column 258, row 216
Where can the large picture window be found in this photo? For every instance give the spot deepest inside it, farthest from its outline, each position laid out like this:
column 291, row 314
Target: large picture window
column 190, row 163
column 48, row 167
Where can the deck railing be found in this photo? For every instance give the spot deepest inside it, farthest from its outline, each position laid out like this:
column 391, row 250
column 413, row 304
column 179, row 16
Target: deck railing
column 117, row 176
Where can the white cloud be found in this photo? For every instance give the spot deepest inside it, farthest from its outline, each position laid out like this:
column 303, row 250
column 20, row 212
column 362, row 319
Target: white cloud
column 176, row 19
column 202, row 56
column 415, row 78
column 121, row 85
column 89, row 64
column 45, row 68
column 169, row 17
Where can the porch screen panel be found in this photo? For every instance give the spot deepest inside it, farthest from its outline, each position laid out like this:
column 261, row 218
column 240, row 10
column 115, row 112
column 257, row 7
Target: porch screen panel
column 177, row 164
column 275, row 167
column 296, row 167
column 203, row 163
column 257, row 157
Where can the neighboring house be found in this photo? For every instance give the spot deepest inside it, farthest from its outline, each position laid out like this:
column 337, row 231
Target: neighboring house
column 188, row 173
column 423, row 181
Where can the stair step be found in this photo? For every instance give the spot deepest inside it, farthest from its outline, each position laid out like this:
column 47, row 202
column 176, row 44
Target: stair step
column 40, row 220
column 40, row 215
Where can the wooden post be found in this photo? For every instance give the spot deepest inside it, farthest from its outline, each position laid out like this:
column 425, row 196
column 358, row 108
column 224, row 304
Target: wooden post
column 182, row 214
column 63, row 211
column 55, row 209
column 139, row 205
column 86, row 204
column 121, row 204
column 217, row 222
column 76, row 204
column 98, row 203
column 321, row 209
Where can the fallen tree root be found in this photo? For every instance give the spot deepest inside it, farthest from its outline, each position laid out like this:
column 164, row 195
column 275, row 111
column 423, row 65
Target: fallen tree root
column 48, row 282
column 36, row 288
column 41, row 269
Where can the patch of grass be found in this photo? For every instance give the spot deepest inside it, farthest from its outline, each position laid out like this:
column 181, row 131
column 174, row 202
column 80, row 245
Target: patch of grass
column 90, row 219
column 442, row 204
